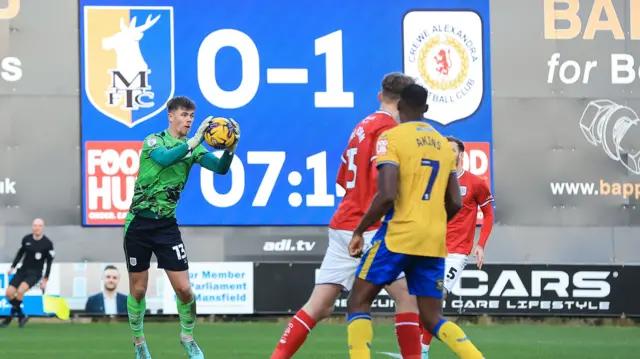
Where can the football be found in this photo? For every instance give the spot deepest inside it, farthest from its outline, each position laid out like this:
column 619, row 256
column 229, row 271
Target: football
column 220, row 133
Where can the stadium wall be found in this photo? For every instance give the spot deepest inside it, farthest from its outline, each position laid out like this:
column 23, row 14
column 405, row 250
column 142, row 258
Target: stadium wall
column 566, row 181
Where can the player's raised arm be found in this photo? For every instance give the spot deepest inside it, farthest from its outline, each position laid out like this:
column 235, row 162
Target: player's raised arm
column 164, row 156
column 452, row 197
column 219, row 165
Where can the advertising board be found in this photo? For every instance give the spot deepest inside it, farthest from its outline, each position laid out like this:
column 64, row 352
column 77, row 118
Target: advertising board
column 573, row 92
column 219, row 288
column 523, row 290
column 32, row 303
column 101, row 289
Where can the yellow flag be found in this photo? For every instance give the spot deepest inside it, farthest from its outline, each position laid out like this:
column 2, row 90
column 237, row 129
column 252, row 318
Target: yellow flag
column 57, row 306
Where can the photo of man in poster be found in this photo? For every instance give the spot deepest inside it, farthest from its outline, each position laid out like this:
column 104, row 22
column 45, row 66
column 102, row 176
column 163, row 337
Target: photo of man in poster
column 109, row 301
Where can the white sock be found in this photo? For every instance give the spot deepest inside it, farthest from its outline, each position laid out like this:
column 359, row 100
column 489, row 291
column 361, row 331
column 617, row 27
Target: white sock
column 186, row 338
column 425, row 347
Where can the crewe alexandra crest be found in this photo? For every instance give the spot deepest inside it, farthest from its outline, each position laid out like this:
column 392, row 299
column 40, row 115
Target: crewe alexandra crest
column 446, row 58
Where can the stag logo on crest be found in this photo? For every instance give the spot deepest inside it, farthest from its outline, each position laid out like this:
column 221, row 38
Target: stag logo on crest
column 446, row 58
column 128, row 66
column 130, row 79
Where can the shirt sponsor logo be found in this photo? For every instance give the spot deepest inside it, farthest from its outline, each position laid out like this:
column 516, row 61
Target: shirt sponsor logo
column 111, row 169
column 381, row 147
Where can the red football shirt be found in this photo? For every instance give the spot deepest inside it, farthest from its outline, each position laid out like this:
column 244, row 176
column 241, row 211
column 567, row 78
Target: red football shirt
column 358, row 173
column 461, row 229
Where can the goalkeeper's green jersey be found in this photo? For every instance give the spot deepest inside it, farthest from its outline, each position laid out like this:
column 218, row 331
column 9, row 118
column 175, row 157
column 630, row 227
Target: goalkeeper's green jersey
column 158, row 189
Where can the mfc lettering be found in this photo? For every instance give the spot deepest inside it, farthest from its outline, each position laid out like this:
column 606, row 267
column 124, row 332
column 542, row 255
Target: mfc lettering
column 130, row 94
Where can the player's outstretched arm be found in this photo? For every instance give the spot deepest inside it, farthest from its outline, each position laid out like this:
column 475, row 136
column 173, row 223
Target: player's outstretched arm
column 452, row 198
column 383, row 200
column 165, row 157
column 218, row 165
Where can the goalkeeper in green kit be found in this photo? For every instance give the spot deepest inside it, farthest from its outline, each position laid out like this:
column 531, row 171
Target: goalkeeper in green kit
column 151, row 227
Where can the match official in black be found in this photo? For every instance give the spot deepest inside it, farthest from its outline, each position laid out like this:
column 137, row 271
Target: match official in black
column 36, row 249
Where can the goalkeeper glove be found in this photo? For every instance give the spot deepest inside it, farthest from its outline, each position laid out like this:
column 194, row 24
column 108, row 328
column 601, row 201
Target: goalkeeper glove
column 236, row 130
column 197, row 139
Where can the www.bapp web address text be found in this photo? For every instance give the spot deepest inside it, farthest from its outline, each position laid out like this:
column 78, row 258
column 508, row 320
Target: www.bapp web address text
column 604, row 188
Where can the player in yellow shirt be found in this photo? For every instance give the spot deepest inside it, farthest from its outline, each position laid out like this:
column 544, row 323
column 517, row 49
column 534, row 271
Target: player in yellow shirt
column 418, row 193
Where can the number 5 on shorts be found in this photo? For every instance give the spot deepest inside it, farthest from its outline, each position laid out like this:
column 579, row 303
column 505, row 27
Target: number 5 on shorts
column 452, row 273
column 435, row 167
column 180, row 253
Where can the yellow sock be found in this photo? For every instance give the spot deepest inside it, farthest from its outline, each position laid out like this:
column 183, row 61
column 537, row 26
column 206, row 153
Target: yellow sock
column 360, row 335
column 453, row 336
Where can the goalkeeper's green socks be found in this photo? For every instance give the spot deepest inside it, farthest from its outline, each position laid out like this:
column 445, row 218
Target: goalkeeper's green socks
column 187, row 313
column 136, row 315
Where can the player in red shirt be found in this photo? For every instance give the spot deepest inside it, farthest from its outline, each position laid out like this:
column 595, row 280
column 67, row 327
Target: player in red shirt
column 358, row 177
column 461, row 229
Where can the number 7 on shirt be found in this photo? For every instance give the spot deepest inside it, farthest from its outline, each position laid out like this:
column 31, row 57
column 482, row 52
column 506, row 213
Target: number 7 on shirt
column 435, row 167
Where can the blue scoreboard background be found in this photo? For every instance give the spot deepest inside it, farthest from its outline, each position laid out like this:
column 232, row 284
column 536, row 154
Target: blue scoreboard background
column 297, row 76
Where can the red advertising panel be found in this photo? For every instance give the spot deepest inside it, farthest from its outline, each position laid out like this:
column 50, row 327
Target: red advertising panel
column 110, row 173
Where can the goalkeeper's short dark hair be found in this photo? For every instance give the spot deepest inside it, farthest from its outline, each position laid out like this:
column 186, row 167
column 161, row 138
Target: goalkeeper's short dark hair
column 180, row 102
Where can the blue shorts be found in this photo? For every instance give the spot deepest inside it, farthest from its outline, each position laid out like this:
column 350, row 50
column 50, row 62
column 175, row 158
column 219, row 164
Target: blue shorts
column 425, row 275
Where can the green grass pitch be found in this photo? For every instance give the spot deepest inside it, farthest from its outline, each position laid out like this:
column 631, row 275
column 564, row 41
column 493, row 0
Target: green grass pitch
column 256, row 340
